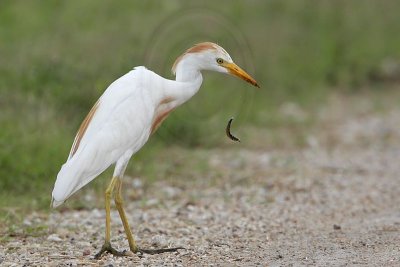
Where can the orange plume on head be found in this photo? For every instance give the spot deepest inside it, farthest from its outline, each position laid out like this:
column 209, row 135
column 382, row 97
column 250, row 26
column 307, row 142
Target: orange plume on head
column 200, row 47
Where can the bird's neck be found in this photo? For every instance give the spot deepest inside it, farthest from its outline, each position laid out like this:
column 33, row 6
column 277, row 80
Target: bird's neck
column 187, row 68
column 187, row 83
column 187, row 75
column 186, row 87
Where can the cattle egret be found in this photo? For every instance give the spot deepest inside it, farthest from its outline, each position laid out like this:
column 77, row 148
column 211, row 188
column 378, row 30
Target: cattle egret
column 122, row 120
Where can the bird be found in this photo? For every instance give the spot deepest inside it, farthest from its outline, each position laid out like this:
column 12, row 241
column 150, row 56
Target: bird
column 123, row 119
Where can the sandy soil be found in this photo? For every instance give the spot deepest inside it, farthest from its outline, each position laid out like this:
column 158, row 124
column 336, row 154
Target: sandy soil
column 334, row 202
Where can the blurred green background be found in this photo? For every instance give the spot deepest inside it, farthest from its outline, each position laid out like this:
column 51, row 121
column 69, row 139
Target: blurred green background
column 57, row 57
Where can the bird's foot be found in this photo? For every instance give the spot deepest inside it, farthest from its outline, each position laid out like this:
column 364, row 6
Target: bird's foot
column 157, row 251
column 108, row 248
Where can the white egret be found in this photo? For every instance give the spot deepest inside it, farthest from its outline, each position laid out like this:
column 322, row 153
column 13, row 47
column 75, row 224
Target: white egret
column 123, row 119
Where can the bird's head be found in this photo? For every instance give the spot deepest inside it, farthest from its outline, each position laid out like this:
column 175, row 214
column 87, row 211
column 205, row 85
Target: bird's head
column 210, row 56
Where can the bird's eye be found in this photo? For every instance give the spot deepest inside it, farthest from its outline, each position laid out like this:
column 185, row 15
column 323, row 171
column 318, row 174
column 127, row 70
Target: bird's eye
column 220, row 60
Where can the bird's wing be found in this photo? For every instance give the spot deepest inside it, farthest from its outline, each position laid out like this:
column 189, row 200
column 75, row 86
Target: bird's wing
column 119, row 123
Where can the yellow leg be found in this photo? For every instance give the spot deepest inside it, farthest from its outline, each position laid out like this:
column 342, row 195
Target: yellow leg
column 119, row 204
column 116, row 181
column 132, row 244
column 107, row 244
column 108, row 195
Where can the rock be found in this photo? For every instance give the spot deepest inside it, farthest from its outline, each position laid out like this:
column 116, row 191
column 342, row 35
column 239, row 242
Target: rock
column 27, row 222
column 54, row 238
column 159, row 241
column 152, row 202
column 337, row 227
column 86, row 252
column 172, row 192
column 137, row 183
column 130, row 254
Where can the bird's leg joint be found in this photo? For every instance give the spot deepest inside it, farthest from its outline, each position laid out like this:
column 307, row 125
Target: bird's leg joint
column 108, row 193
column 118, row 199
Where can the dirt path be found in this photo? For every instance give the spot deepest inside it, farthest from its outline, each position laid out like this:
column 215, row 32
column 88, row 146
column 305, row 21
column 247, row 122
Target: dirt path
column 334, row 203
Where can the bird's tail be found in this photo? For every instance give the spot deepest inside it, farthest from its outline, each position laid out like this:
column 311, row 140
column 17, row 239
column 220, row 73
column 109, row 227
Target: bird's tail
column 65, row 184
column 78, row 171
column 54, row 203
column 70, row 179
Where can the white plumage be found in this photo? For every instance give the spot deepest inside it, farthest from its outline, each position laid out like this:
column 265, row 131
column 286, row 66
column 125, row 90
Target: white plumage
column 123, row 119
column 120, row 126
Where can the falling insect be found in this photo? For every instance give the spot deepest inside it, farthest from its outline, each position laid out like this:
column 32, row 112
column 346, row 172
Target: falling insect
column 228, row 131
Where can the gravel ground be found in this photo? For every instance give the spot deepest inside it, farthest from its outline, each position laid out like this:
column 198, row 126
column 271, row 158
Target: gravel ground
column 334, row 202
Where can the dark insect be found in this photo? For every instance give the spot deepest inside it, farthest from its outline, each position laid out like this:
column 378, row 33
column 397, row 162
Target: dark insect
column 228, row 131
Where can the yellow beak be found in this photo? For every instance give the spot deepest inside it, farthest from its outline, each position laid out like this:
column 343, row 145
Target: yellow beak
column 237, row 71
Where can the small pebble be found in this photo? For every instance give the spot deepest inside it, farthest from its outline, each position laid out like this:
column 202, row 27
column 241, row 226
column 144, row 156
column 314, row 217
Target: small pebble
column 130, row 254
column 337, row 227
column 54, row 238
column 86, row 252
column 159, row 241
column 27, row 222
column 137, row 183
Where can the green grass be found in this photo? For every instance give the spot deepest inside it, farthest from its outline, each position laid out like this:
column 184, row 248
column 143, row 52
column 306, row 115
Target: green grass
column 56, row 58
